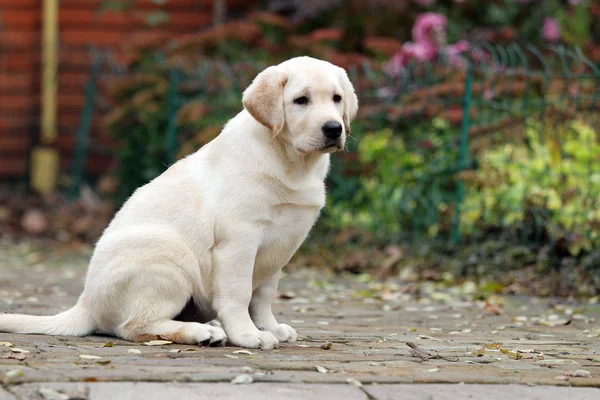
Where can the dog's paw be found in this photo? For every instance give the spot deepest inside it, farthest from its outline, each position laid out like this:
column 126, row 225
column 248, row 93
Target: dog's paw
column 208, row 335
column 285, row 333
column 254, row 340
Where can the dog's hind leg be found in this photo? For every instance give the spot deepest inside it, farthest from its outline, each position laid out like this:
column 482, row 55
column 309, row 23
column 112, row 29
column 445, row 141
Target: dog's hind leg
column 176, row 332
column 154, row 300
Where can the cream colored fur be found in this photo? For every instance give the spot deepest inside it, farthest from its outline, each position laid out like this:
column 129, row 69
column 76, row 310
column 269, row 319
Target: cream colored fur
column 219, row 225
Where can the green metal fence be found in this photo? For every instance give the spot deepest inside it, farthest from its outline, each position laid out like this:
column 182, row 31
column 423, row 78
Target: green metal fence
column 505, row 142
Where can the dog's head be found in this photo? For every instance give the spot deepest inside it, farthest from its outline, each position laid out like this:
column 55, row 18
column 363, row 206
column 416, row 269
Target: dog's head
column 309, row 101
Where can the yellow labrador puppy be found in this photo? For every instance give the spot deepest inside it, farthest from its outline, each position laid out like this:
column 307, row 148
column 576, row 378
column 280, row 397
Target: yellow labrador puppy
column 212, row 233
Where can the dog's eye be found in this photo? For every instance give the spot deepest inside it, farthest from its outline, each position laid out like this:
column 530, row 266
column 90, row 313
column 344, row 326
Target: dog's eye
column 337, row 98
column 301, row 100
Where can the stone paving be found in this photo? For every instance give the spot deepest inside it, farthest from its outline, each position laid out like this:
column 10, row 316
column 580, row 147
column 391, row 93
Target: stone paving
column 359, row 340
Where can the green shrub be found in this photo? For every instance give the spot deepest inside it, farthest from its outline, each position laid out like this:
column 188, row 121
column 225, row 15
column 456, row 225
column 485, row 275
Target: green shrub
column 552, row 180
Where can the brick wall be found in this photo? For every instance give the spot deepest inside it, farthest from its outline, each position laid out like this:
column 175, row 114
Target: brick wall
column 81, row 24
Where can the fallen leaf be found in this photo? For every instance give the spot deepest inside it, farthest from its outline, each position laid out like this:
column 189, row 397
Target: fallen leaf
column 242, row 379
column 89, row 357
column 191, row 349
column 433, row 370
column 354, row 382
column 134, row 351
column 579, row 373
column 157, row 342
column 320, row 369
column 103, row 362
column 6, row 344
column 247, row 352
column 108, row 344
column 175, row 351
column 15, row 356
column 493, row 346
column 51, row 394
column 493, row 309
column 13, row 373
column 18, row 350
column 326, row 346
column 515, row 355
column 230, row 356
column 287, row 295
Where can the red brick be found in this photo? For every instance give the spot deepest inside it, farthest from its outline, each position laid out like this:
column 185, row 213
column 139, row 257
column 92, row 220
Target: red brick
column 13, row 40
column 101, row 38
column 180, row 21
column 144, row 4
column 19, row 19
column 15, row 144
column 11, row 124
column 13, row 167
column 14, row 83
column 20, row 4
column 17, row 102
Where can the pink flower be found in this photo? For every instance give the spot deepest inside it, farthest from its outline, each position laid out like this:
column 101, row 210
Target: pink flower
column 454, row 51
column 551, row 30
column 430, row 27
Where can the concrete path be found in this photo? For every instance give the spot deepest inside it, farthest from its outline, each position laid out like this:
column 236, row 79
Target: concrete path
column 359, row 340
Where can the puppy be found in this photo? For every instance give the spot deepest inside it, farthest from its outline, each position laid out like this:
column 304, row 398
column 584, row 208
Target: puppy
column 213, row 232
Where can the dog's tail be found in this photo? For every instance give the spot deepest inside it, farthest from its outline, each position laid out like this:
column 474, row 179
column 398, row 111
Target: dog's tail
column 76, row 321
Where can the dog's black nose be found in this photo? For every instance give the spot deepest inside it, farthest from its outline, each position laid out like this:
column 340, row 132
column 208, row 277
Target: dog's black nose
column 332, row 129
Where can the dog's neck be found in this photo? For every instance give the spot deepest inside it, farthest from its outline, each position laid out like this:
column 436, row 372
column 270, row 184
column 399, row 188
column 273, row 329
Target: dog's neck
column 297, row 163
column 304, row 163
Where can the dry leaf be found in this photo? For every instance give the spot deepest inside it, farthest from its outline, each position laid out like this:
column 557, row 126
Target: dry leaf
column 287, row 295
column 13, row 373
column 51, row 394
column 354, row 382
column 15, row 356
column 157, row 342
column 6, row 344
column 18, row 350
column 230, row 356
column 242, row 379
column 89, row 357
column 326, row 345
column 322, row 370
column 242, row 352
column 175, row 351
column 108, row 344
column 134, row 351
column 579, row 373
column 493, row 309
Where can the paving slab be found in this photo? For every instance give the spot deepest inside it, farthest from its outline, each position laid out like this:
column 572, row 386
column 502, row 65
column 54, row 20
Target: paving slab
column 379, row 333
column 188, row 391
column 487, row 392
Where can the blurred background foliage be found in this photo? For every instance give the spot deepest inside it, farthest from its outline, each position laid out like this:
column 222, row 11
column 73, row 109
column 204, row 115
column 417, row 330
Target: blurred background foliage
column 516, row 179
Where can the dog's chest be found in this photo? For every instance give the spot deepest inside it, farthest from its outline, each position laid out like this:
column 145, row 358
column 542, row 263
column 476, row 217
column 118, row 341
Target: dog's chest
column 287, row 221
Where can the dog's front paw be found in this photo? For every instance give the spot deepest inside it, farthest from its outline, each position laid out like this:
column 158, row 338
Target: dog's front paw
column 285, row 333
column 254, row 340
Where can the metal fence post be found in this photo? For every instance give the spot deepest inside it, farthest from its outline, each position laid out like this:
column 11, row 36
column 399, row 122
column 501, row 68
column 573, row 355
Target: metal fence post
column 463, row 159
column 83, row 133
column 172, row 108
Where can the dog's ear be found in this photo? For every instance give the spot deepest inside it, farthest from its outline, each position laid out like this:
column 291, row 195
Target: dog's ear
column 350, row 100
column 264, row 98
